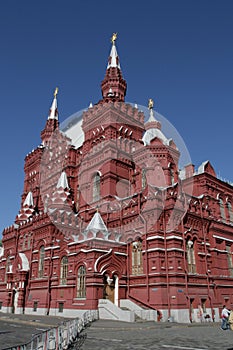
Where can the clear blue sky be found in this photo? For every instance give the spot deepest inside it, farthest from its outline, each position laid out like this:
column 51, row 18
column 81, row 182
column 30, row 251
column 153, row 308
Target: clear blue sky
column 180, row 53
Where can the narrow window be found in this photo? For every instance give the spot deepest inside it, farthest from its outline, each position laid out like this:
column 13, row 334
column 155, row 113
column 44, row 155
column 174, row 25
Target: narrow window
column 143, row 178
column 41, row 262
column 137, row 267
column 230, row 212
column 222, row 210
column 8, row 267
column 29, row 241
column 81, row 282
column 191, row 257
column 229, row 260
column 64, row 270
column 24, row 242
column 172, row 176
column 96, row 187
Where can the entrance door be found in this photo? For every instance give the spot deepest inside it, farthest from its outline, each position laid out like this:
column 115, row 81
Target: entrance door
column 109, row 288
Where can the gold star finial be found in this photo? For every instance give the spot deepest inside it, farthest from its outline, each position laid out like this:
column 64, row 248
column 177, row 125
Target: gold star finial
column 113, row 38
column 55, row 92
column 150, row 103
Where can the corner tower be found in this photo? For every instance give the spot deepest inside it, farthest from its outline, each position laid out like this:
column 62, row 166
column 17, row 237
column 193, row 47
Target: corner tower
column 52, row 123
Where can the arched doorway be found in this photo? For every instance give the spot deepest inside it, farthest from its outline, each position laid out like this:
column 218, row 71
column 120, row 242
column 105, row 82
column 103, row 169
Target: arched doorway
column 109, row 290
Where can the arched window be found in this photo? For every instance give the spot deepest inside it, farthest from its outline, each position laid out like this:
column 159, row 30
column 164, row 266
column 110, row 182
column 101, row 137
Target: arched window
column 64, row 270
column 230, row 212
column 222, row 210
column 191, row 256
column 96, row 187
column 81, row 282
column 144, row 178
column 137, row 267
column 41, row 262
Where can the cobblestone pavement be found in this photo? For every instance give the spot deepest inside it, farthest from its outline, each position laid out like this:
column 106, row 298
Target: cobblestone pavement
column 18, row 329
column 113, row 335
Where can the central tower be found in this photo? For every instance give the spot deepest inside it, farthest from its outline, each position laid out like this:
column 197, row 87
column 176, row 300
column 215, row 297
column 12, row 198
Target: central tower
column 113, row 86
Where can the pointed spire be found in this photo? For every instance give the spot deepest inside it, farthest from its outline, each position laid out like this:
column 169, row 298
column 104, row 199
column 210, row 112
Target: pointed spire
column 28, row 200
column 96, row 224
column 52, row 122
column 113, row 58
column 152, row 122
column 113, row 86
column 26, row 210
column 150, row 107
column 53, row 112
column 63, row 182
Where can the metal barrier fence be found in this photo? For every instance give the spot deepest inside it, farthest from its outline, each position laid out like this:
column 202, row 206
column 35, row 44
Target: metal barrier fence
column 66, row 336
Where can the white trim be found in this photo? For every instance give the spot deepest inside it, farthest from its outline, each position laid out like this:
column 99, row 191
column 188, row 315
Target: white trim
column 94, row 250
column 174, row 237
column 155, row 237
column 97, row 260
column 223, row 238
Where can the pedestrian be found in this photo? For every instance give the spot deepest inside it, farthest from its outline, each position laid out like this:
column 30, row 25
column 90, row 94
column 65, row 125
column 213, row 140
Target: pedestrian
column 224, row 316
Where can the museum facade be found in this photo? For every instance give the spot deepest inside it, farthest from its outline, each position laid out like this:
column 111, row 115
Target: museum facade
column 108, row 220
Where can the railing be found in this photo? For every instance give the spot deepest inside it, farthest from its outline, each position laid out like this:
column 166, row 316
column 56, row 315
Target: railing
column 66, row 336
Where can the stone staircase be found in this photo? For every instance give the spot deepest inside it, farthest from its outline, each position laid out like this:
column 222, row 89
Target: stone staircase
column 127, row 312
column 109, row 311
column 141, row 313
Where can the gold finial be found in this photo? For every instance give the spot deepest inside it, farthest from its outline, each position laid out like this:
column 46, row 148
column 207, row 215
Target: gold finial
column 150, row 103
column 55, row 92
column 113, row 38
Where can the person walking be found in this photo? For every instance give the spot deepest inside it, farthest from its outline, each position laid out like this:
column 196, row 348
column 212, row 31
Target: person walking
column 224, row 316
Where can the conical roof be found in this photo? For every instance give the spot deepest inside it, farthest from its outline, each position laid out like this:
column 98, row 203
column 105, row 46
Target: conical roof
column 63, row 182
column 96, row 224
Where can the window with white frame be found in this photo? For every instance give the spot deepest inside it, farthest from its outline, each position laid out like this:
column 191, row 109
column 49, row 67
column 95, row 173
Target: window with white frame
column 64, row 270
column 222, row 210
column 81, row 282
column 137, row 266
column 230, row 212
column 96, row 187
column 41, row 261
column 229, row 260
column 191, row 256
column 144, row 181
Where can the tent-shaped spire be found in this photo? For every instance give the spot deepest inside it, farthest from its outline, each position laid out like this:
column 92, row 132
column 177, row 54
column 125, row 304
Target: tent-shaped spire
column 27, row 209
column 28, row 200
column 113, row 86
column 53, row 112
column 63, row 182
column 52, row 122
column 96, row 224
column 113, row 60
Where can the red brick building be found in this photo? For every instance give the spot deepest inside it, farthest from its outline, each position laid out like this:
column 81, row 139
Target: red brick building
column 108, row 219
